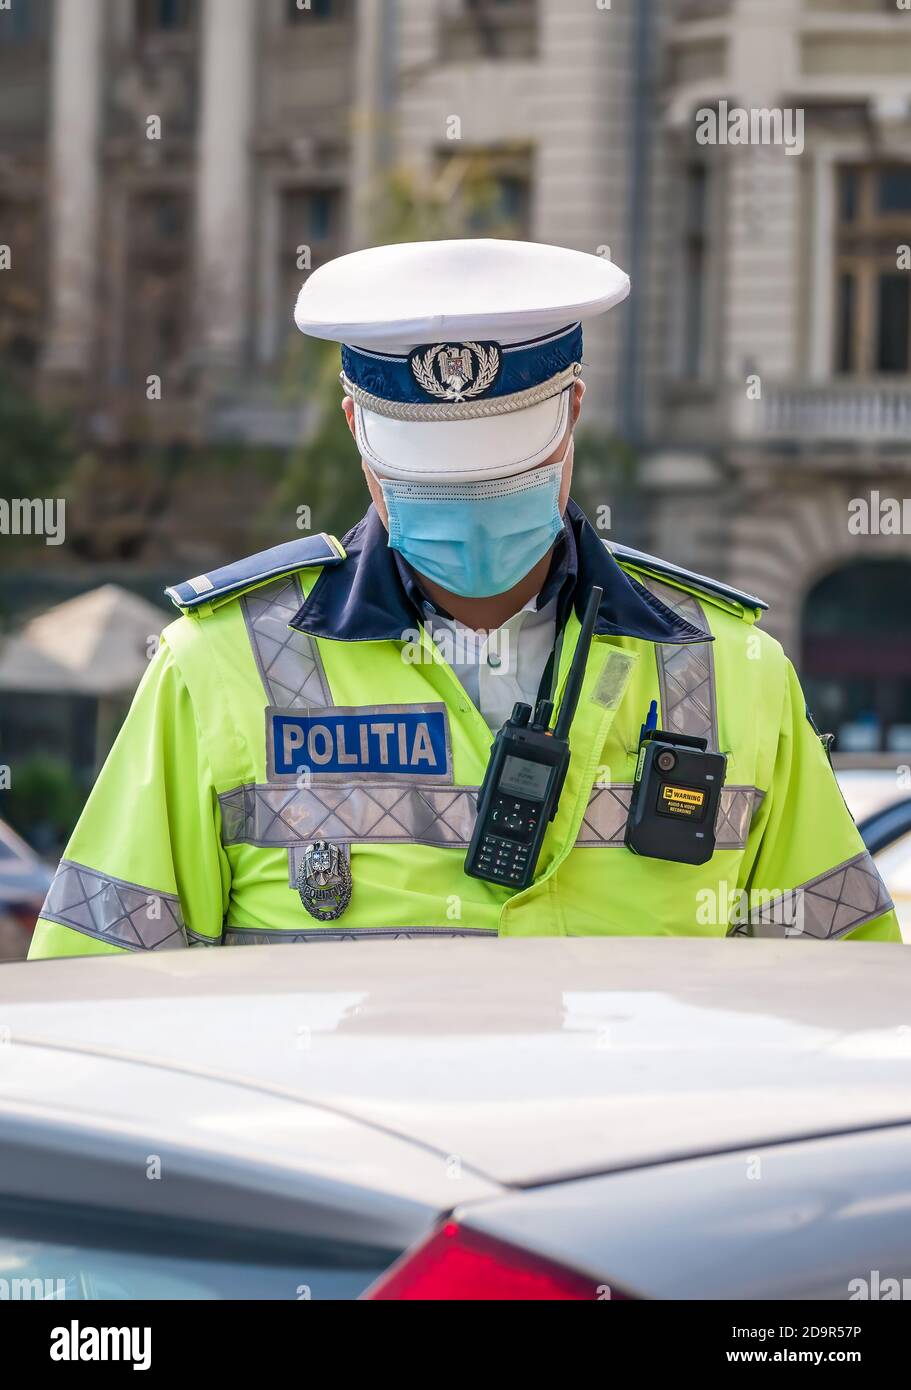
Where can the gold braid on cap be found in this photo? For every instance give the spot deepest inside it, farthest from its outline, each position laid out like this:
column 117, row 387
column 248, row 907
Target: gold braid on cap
column 463, row 410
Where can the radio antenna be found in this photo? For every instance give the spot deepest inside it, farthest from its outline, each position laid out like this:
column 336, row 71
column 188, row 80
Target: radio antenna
column 577, row 669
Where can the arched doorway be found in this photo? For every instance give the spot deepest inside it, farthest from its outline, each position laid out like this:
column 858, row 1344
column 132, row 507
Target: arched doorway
column 856, row 657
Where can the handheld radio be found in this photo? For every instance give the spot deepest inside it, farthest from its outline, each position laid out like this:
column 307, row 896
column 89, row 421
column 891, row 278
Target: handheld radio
column 525, row 776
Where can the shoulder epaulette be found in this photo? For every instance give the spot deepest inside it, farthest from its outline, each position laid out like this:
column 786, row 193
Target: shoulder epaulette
column 712, row 588
column 302, row 553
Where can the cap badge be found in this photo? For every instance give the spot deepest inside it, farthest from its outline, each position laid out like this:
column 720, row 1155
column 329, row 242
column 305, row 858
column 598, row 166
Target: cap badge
column 456, row 373
column 324, row 881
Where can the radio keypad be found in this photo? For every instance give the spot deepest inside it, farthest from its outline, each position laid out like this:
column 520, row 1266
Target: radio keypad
column 505, row 847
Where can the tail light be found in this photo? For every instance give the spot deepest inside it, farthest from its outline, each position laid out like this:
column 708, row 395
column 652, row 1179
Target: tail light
column 455, row 1263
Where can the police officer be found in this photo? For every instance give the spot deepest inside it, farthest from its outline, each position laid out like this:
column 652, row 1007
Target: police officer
column 303, row 757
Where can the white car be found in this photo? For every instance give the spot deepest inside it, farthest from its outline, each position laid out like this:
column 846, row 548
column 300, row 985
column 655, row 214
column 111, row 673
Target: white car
column 880, row 802
column 868, row 791
column 554, row 1118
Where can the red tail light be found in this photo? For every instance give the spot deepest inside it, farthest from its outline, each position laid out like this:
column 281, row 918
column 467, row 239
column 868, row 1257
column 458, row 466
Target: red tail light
column 455, row 1263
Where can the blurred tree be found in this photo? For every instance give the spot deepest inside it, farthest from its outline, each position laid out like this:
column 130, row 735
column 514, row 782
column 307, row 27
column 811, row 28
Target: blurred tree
column 468, row 194
column 322, row 473
column 603, row 465
column 35, row 447
column 605, row 485
column 44, row 801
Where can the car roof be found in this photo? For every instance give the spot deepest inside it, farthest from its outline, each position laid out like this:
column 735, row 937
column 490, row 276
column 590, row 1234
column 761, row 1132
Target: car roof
column 528, row 1060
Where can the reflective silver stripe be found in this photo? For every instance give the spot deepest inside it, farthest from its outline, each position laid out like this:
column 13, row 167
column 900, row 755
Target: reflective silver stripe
column 109, row 909
column 736, row 809
column 390, row 812
column 604, row 822
column 288, row 661
column 686, row 673
column 242, row 936
column 824, row 908
column 383, row 812
column 195, row 938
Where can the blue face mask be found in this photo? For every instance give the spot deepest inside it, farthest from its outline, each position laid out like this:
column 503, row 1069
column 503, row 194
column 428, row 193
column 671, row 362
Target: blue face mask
column 476, row 539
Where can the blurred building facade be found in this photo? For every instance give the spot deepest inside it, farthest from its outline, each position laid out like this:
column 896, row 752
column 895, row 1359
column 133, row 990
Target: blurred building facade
column 166, row 164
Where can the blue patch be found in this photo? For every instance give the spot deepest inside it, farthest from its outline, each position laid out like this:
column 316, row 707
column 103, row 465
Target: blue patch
column 305, row 551
column 518, row 366
column 394, row 741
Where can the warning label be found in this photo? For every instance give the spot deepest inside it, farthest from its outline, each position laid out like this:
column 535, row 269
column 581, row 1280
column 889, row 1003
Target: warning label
column 682, row 801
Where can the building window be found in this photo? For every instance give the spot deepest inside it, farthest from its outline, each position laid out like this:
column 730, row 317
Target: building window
column 311, row 219
column 158, row 283
column 24, row 21
column 494, row 29
column 856, row 659
column 164, row 16
column 489, row 193
column 298, row 10
column 846, row 321
column 511, row 194
column 873, row 296
column 499, row 206
column 695, row 279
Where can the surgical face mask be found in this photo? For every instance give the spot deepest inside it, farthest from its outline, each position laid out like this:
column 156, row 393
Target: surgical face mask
column 476, row 539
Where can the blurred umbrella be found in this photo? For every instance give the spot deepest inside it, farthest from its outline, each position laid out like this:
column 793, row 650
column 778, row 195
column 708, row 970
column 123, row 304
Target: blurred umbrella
column 97, row 645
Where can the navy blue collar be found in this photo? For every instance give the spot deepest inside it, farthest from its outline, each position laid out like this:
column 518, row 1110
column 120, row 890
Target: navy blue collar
column 373, row 596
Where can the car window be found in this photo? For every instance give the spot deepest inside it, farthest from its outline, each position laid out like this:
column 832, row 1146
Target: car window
column 71, row 1255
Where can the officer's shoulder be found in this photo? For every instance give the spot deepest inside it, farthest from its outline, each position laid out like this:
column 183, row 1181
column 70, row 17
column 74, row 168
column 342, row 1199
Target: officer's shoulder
column 230, row 581
column 638, row 563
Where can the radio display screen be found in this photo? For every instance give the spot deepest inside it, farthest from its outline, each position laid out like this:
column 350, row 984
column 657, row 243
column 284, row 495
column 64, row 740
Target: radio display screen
column 520, row 777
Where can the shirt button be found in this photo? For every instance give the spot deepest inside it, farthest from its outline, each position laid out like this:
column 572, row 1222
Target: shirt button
column 494, row 660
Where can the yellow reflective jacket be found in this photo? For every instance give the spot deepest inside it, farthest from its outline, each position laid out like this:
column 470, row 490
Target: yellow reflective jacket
column 202, row 820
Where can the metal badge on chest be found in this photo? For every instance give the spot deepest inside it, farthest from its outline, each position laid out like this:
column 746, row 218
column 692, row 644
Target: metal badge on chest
column 324, row 881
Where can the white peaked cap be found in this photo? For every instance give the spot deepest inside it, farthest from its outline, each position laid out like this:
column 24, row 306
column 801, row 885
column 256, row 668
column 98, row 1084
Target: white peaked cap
column 460, row 355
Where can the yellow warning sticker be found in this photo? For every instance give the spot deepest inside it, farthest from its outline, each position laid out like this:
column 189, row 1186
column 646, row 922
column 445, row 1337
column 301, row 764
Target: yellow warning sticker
column 683, row 796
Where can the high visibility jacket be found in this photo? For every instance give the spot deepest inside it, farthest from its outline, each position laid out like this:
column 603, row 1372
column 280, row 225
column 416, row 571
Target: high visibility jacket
column 299, row 699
